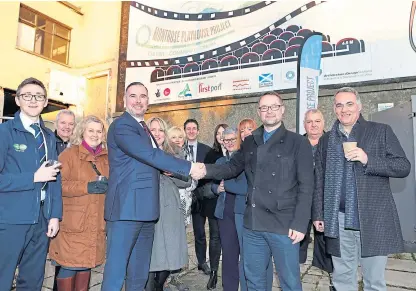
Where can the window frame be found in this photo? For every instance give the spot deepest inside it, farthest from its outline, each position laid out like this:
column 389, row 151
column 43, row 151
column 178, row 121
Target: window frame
column 53, row 34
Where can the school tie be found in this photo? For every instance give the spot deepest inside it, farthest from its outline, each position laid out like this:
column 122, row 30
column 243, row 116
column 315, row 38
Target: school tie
column 40, row 143
column 149, row 133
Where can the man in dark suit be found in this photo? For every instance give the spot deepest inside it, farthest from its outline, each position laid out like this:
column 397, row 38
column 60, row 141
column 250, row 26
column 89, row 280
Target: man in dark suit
column 200, row 152
column 352, row 203
column 279, row 169
column 132, row 201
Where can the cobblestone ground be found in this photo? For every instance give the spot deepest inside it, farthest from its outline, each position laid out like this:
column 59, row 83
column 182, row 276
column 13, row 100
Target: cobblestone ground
column 400, row 274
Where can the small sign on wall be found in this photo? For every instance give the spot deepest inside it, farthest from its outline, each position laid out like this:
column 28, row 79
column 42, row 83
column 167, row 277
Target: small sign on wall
column 384, row 106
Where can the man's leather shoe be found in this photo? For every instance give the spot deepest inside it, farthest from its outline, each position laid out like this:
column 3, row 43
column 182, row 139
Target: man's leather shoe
column 204, row 268
column 212, row 282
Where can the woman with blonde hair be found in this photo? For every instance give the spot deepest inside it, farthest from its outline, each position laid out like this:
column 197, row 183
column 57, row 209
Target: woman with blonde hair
column 170, row 248
column 177, row 136
column 80, row 243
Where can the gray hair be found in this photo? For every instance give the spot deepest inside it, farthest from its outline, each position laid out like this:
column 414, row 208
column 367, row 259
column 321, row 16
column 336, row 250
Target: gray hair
column 313, row 111
column 348, row 90
column 64, row 111
column 229, row 130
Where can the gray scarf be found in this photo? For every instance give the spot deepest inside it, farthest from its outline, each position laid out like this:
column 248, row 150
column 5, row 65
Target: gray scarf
column 339, row 171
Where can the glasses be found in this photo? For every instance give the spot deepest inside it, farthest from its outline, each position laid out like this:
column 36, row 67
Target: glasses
column 228, row 140
column 274, row 107
column 29, row 97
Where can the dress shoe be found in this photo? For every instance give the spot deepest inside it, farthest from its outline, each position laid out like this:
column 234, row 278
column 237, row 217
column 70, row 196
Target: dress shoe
column 204, row 268
column 82, row 280
column 212, row 282
column 65, row 284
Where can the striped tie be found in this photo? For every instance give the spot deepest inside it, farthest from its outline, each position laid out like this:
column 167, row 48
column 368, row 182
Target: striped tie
column 40, row 142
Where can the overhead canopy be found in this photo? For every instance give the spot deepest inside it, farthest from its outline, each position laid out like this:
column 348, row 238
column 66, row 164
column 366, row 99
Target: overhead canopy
column 10, row 107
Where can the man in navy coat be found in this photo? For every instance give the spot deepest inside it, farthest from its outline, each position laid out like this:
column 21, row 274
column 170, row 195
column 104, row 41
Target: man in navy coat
column 30, row 191
column 132, row 201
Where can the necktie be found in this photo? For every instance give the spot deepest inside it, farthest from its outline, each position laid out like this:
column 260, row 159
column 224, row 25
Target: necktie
column 191, row 152
column 149, row 133
column 40, row 143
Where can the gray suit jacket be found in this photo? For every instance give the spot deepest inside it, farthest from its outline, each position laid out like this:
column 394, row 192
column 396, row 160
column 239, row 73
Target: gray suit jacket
column 379, row 222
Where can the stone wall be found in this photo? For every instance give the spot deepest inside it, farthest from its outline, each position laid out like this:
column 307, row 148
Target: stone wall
column 232, row 110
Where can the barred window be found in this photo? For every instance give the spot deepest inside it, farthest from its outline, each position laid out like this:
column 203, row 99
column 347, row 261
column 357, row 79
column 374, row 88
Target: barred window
column 43, row 36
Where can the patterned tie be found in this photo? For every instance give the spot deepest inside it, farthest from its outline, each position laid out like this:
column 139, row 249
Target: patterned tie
column 191, row 152
column 149, row 133
column 40, row 142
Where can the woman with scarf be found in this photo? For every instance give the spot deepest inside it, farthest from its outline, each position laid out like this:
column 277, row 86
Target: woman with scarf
column 80, row 243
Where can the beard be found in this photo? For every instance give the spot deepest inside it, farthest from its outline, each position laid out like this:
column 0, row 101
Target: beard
column 137, row 115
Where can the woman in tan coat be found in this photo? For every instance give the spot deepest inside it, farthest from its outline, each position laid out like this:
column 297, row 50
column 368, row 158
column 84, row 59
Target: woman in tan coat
column 80, row 243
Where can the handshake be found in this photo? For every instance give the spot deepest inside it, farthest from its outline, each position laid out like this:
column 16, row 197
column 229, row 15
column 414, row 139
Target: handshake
column 198, row 171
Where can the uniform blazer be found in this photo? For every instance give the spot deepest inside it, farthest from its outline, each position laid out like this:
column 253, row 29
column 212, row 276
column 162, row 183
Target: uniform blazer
column 135, row 166
column 19, row 160
column 280, row 180
column 81, row 238
column 379, row 222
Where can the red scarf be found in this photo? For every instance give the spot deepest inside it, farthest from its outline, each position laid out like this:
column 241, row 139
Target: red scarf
column 91, row 150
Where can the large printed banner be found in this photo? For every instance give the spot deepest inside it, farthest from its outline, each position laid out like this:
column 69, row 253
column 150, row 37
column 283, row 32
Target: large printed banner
column 189, row 50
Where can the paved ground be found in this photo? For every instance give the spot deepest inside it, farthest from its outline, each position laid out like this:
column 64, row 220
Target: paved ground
column 400, row 274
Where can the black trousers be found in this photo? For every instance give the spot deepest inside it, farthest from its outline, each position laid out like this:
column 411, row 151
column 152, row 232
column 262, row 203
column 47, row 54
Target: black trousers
column 198, row 223
column 303, row 246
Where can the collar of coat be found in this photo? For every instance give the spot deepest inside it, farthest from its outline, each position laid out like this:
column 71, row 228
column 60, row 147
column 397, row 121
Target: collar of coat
column 278, row 136
column 84, row 154
column 17, row 124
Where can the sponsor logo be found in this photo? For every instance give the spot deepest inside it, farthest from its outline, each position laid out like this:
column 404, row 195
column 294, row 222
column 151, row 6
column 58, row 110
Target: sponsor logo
column 166, row 92
column 266, row 80
column 186, row 92
column 205, row 88
column 290, row 75
column 157, row 93
column 20, row 147
column 242, row 84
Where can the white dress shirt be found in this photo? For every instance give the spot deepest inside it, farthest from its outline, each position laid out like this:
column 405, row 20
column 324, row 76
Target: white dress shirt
column 27, row 122
column 194, row 148
column 140, row 120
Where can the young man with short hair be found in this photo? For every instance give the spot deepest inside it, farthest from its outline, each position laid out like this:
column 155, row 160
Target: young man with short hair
column 30, row 190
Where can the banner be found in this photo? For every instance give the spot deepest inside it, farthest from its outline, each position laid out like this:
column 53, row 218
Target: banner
column 191, row 50
column 309, row 67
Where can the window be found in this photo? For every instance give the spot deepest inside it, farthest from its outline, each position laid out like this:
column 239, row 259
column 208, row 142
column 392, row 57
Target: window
column 42, row 35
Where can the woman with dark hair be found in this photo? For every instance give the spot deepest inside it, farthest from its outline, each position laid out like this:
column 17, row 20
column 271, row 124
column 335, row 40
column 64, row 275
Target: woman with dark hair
column 218, row 145
column 208, row 204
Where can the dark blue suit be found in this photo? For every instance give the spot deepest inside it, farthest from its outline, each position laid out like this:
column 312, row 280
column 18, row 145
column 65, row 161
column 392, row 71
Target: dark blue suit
column 23, row 218
column 132, row 202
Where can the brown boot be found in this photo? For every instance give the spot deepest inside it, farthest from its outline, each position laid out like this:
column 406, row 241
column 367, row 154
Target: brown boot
column 65, row 284
column 82, row 280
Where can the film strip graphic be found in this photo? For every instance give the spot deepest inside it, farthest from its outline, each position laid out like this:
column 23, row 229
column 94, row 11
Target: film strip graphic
column 272, row 45
column 199, row 16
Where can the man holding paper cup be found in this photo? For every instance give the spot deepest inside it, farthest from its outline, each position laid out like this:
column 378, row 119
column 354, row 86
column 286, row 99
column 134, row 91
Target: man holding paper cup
column 353, row 204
